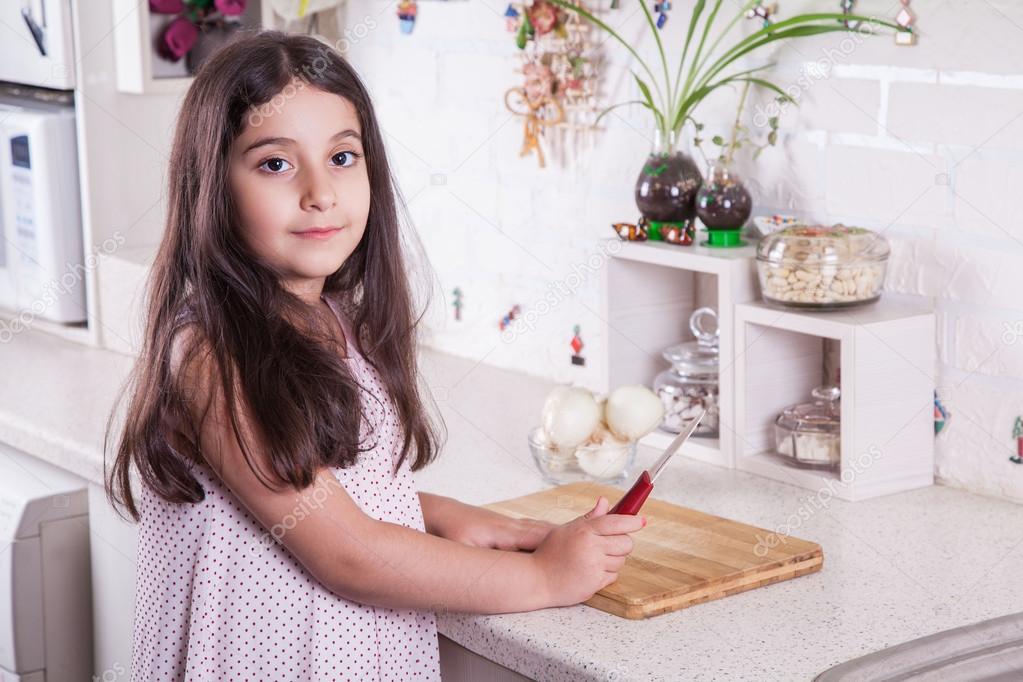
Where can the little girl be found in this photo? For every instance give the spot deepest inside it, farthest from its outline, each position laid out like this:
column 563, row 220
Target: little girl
column 276, row 414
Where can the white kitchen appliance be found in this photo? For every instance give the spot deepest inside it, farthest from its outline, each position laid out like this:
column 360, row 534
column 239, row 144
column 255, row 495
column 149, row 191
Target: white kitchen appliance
column 37, row 46
column 45, row 593
column 41, row 258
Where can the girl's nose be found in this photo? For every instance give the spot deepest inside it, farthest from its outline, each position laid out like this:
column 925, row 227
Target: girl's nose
column 319, row 194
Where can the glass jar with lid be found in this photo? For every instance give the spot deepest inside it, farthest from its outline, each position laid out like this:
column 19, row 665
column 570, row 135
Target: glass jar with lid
column 810, row 434
column 690, row 385
column 819, row 266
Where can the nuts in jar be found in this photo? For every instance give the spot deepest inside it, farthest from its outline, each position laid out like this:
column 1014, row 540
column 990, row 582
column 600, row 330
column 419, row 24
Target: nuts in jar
column 814, row 266
column 691, row 384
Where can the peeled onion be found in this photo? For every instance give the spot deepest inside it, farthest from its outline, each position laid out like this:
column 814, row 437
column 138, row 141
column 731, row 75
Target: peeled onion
column 603, row 455
column 570, row 416
column 632, row 412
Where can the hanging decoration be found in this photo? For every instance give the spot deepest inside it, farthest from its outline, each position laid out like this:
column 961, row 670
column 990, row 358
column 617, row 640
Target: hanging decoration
column 847, row 8
column 577, row 347
column 1017, row 433
column 762, row 12
column 535, row 103
column 940, row 414
column 456, row 303
column 662, row 8
column 558, row 97
column 905, row 18
column 407, row 10
column 512, row 315
column 511, row 18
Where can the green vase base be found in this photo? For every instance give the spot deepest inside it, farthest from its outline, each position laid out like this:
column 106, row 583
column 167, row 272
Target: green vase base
column 654, row 233
column 724, row 238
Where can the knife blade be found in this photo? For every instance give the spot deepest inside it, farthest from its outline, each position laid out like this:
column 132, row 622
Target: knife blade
column 633, row 500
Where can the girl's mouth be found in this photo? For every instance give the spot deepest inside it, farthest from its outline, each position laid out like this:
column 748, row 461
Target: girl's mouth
column 318, row 233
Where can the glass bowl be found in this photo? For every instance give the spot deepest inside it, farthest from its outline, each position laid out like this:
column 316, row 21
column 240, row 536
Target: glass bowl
column 601, row 463
column 818, row 266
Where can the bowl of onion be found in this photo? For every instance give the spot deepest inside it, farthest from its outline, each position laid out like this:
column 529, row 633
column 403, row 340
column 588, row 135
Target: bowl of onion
column 583, row 438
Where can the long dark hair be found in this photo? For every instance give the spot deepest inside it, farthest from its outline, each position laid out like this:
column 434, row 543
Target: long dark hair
column 300, row 393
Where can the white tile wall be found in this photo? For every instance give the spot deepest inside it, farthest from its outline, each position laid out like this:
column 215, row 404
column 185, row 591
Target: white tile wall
column 925, row 143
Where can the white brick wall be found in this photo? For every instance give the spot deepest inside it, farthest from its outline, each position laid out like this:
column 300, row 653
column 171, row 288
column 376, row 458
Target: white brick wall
column 925, row 143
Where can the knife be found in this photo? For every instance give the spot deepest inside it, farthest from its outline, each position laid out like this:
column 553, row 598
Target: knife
column 633, row 500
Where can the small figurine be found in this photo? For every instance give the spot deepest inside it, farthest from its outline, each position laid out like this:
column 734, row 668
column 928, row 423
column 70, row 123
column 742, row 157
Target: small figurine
column 632, row 232
column 673, row 234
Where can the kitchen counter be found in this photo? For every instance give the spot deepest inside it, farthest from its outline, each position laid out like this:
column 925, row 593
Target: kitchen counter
column 895, row 567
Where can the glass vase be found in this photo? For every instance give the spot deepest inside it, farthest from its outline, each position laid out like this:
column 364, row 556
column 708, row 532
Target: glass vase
column 723, row 205
column 667, row 186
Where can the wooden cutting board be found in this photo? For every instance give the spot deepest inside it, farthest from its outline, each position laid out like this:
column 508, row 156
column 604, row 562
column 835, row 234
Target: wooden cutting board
column 682, row 557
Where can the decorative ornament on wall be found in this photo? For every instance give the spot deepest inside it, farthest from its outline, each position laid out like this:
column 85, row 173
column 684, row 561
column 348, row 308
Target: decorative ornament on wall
column 762, row 12
column 577, row 347
column 662, row 8
column 1017, row 433
column 407, row 10
column 512, row 315
column 847, row 8
column 456, row 302
column 558, row 97
column 906, row 19
column 941, row 415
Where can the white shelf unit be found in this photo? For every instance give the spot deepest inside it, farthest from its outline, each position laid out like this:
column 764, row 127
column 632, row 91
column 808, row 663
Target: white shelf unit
column 651, row 290
column 887, row 364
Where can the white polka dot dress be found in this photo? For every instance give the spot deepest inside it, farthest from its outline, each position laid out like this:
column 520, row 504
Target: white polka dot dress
column 217, row 600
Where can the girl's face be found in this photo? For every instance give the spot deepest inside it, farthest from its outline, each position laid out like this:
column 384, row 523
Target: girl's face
column 298, row 166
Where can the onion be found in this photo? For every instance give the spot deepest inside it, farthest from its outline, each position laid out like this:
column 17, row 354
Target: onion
column 603, row 455
column 632, row 412
column 570, row 416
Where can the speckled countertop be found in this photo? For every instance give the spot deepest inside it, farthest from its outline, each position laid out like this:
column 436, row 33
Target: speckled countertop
column 895, row 568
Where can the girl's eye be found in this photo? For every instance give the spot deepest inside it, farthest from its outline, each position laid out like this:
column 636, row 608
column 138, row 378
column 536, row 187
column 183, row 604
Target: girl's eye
column 275, row 165
column 351, row 156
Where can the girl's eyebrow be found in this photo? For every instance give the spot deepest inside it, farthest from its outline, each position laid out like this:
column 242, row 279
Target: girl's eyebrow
column 287, row 141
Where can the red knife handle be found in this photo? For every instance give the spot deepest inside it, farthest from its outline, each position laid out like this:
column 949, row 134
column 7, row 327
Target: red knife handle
column 633, row 500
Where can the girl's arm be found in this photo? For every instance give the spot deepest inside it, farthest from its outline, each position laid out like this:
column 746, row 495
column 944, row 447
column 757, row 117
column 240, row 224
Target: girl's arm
column 471, row 525
column 385, row 564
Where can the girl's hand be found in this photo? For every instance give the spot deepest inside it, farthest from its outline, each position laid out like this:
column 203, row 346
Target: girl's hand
column 583, row 556
column 479, row 527
column 485, row 528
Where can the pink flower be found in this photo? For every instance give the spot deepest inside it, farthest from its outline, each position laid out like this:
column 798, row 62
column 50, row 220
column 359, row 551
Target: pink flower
column 177, row 39
column 166, row 6
column 230, row 8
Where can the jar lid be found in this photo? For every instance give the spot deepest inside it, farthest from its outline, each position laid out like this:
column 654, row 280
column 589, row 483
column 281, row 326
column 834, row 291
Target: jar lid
column 822, row 245
column 823, row 415
column 699, row 356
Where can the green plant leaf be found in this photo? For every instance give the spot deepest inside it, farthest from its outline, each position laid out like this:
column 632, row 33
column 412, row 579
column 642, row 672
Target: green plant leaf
column 615, row 106
column 694, row 19
column 643, row 88
column 664, row 60
column 687, row 106
column 782, row 30
column 718, row 140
